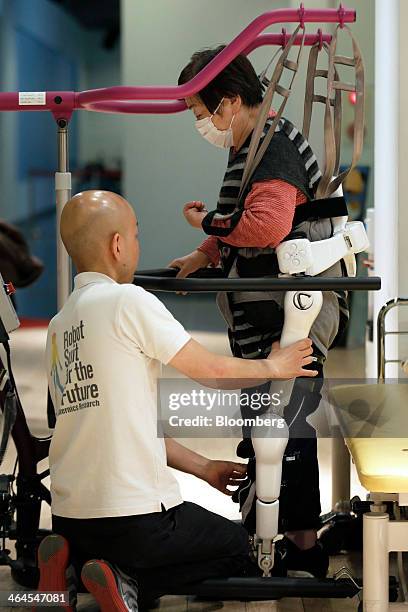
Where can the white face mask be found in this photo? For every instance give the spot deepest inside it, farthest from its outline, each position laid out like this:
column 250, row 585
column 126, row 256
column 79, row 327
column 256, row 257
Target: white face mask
column 220, row 138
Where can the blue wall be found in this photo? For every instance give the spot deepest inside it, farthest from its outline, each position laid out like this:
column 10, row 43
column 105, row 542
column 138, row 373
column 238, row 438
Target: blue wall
column 41, row 68
column 42, row 50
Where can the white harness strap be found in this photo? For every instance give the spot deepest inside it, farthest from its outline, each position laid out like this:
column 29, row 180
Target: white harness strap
column 332, row 125
column 333, row 113
column 254, row 156
column 311, row 98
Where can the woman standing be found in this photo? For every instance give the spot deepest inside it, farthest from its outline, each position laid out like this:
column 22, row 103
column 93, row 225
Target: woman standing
column 243, row 234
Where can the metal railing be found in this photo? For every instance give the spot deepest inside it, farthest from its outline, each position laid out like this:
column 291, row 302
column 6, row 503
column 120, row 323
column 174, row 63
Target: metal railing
column 382, row 333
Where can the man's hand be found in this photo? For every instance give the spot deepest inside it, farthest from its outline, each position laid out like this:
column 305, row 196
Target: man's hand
column 219, row 474
column 219, row 372
column 222, row 474
column 290, row 361
column 194, row 213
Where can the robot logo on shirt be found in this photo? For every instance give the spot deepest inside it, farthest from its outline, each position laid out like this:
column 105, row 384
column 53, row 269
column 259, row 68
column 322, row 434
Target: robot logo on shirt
column 56, row 367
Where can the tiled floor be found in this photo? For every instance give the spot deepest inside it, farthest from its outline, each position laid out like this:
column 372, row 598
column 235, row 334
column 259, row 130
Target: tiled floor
column 27, row 349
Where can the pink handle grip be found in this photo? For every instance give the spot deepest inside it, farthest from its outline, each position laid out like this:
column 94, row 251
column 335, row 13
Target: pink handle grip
column 119, row 99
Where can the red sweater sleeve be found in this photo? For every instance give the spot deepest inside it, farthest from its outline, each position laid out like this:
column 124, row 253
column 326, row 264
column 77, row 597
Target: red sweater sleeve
column 269, row 209
column 210, row 248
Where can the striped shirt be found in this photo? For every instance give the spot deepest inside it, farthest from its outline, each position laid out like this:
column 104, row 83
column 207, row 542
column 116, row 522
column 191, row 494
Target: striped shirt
column 288, row 158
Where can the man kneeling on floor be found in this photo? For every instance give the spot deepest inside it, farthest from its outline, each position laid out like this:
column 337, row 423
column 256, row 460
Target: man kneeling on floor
column 114, row 497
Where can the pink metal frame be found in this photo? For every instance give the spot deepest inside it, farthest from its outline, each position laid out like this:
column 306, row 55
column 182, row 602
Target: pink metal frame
column 133, row 99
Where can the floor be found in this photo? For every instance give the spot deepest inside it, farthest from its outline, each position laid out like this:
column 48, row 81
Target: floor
column 27, row 355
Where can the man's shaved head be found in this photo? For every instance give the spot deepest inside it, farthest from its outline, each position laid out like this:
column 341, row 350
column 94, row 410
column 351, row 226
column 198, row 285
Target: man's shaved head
column 97, row 228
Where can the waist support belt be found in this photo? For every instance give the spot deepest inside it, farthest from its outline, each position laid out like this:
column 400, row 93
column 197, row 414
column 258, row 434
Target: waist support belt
column 267, row 265
column 319, row 209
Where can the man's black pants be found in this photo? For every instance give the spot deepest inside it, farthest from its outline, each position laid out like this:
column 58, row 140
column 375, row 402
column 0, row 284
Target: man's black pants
column 172, row 548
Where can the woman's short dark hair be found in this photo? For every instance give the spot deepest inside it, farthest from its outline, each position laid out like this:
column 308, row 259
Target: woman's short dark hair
column 238, row 78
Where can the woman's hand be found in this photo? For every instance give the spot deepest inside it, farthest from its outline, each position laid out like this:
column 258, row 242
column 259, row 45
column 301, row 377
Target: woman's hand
column 290, row 362
column 190, row 263
column 194, row 213
column 222, row 474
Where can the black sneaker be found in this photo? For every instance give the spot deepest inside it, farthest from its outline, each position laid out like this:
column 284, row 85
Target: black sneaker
column 314, row 561
column 114, row 590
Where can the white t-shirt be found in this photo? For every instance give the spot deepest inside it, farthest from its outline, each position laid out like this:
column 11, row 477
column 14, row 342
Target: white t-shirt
column 103, row 353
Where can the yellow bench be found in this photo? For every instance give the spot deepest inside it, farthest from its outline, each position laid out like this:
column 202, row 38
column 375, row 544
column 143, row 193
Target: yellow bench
column 373, row 419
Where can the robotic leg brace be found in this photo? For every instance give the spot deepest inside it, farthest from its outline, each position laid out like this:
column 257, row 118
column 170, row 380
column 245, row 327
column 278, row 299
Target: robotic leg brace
column 301, row 310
